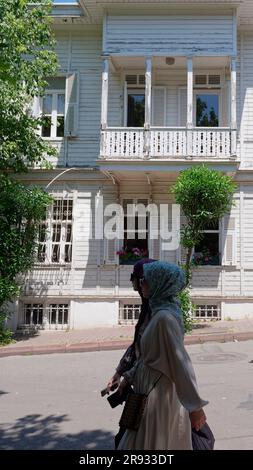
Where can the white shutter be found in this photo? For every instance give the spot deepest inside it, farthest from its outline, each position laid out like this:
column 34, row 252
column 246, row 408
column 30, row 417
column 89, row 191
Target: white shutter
column 155, row 243
column 72, row 105
column 110, row 249
column 35, row 107
column 159, row 106
column 229, row 241
column 182, row 107
column 110, row 254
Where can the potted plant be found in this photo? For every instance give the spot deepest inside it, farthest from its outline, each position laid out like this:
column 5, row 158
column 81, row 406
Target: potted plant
column 131, row 255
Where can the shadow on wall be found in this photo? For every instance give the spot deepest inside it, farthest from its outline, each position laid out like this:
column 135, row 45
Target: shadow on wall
column 35, row 432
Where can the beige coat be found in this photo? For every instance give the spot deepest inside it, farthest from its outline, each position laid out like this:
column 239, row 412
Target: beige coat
column 165, row 424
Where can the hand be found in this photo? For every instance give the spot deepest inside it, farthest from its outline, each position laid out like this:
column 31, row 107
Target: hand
column 198, row 419
column 122, row 385
column 114, row 382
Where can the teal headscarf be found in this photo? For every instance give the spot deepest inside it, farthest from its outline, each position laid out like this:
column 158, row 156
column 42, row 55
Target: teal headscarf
column 165, row 281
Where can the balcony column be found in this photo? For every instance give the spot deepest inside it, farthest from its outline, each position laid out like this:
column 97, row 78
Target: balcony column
column 104, row 106
column 148, row 85
column 189, row 104
column 104, row 98
column 233, row 123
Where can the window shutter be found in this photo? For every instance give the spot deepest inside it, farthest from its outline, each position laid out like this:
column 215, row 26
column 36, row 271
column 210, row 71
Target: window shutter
column 110, row 249
column 155, row 243
column 71, row 105
column 159, row 106
column 228, row 241
column 182, row 108
column 35, row 107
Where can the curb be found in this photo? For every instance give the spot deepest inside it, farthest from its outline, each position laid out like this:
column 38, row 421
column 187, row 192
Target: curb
column 115, row 345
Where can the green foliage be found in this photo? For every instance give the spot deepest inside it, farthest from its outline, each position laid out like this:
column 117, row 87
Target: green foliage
column 5, row 333
column 21, row 210
column 26, row 58
column 186, row 306
column 26, row 43
column 205, row 196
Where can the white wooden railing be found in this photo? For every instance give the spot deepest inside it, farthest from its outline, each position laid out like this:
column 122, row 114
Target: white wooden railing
column 137, row 143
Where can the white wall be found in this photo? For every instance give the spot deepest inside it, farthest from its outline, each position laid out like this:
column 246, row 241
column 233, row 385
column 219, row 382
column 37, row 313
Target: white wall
column 80, row 50
column 92, row 314
column 237, row 309
column 246, row 97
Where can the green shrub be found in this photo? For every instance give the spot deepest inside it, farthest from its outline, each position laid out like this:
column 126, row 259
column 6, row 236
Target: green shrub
column 186, row 306
column 5, row 333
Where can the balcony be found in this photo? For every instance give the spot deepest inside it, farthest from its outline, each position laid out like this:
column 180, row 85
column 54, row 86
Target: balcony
column 185, row 112
column 165, row 143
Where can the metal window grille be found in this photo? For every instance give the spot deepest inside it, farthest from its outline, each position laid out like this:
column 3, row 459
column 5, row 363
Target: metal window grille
column 33, row 314
column 55, row 316
column 129, row 314
column 206, row 312
column 58, row 316
column 55, row 234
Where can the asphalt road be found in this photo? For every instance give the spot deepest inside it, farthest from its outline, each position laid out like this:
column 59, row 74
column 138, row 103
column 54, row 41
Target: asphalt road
column 53, row 401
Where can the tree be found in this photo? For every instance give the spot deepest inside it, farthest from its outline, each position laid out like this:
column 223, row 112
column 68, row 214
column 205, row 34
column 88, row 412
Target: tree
column 26, row 58
column 205, row 196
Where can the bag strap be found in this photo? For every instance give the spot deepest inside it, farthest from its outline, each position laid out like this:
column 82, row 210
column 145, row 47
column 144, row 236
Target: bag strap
column 154, row 385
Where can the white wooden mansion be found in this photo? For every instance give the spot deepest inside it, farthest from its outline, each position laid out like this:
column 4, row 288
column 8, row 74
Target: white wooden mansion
column 146, row 89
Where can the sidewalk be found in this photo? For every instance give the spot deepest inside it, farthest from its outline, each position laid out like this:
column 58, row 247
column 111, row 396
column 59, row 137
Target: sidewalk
column 119, row 337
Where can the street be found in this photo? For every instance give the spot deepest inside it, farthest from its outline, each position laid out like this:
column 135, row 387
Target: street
column 53, row 401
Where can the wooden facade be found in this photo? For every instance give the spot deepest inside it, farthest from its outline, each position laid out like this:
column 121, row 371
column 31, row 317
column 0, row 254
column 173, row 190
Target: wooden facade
column 169, row 56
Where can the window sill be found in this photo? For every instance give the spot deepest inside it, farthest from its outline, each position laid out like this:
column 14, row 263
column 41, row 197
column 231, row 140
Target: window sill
column 52, row 265
column 212, row 266
column 54, row 139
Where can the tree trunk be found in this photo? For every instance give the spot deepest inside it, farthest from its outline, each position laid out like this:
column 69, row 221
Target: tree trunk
column 188, row 265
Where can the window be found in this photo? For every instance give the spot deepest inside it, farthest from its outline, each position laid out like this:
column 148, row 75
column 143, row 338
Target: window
column 207, row 252
column 135, row 244
column 55, row 233
column 129, row 314
column 207, row 312
column 33, row 314
column 207, row 110
column 54, row 315
column 135, row 108
column 53, row 108
column 58, row 314
column 135, row 101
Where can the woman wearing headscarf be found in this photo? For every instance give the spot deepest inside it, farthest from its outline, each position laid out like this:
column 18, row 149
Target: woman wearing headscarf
column 129, row 357
column 164, row 370
column 132, row 353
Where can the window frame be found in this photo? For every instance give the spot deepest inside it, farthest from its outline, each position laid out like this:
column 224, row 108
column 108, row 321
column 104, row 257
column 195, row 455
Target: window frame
column 46, row 311
column 131, row 88
column 219, row 232
column 203, row 91
column 135, row 201
column 57, row 91
column 137, row 90
column 49, row 241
